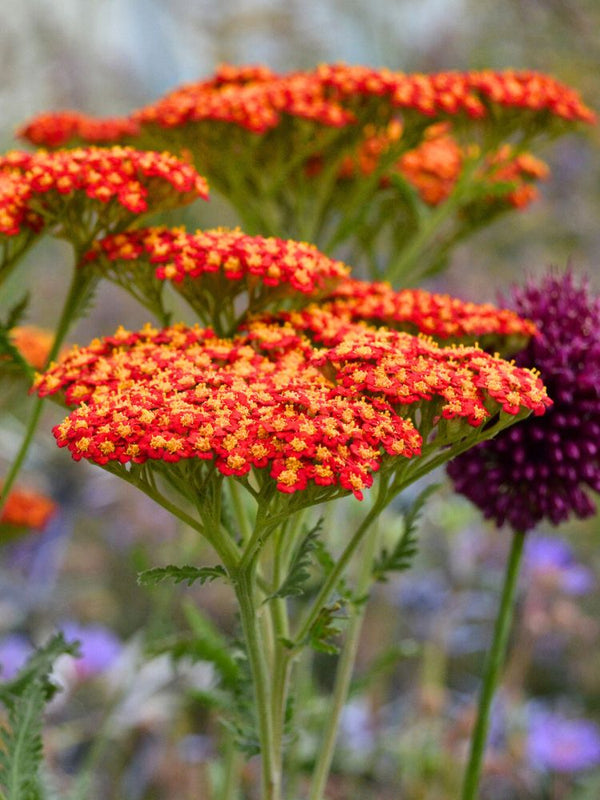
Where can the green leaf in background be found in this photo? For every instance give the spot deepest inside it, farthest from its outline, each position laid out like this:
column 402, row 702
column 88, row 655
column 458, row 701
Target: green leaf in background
column 186, row 574
column 401, row 557
column 24, row 699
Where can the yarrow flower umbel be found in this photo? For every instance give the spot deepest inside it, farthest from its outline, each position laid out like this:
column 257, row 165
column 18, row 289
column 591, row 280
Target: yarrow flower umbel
column 216, row 264
column 269, row 399
column 34, row 187
column 544, row 467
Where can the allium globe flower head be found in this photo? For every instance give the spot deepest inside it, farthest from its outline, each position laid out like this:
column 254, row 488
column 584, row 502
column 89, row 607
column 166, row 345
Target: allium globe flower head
column 544, row 467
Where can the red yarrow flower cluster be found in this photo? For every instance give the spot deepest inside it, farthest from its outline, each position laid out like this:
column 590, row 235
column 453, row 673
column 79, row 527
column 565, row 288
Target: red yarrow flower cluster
column 133, row 179
column 441, row 316
column 454, row 92
column 231, row 254
column 55, row 130
column 268, row 399
column 257, row 99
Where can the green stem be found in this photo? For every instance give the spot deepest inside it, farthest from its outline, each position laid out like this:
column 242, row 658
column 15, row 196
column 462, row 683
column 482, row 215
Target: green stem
column 492, row 668
column 332, row 579
column 345, row 669
column 231, row 768
column 78, row 288
column 270, row 749
column 403, row 266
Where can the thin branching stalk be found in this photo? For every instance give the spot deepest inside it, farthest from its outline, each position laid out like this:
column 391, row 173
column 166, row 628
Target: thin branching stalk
column 492, row 668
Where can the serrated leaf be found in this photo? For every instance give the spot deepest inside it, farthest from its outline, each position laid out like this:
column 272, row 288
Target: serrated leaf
column 185, row 574
column 25, row 698
column 17, row 312
column 8, row 350
column 325, row 629
column 402, row 556
column 211, row 645
column 294, row 582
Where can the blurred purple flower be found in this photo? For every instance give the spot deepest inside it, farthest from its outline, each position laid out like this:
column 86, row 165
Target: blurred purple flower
column 549, row 558
column 15, row 649
column 99, row 647
column 542, row 467
column 556, row 743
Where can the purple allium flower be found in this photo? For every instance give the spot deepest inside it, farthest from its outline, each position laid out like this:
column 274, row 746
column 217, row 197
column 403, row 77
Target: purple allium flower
column 98, row 646
column 15, row 649
column 556, row 743
column 549, row 558
column 542, row 467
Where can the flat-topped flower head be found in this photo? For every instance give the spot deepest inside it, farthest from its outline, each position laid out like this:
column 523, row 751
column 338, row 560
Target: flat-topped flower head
column 472, row 93
column 258, row 99
column 181, row 393
column 241, row 125
column 110, row 186
column 54, row 130
column 211, row 268
column 447, row 319
column 26, row 509
column 267, row 400
column 544, row 468
column 465, row 382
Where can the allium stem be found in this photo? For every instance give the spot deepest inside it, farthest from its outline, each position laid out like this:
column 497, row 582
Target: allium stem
column 492, row 668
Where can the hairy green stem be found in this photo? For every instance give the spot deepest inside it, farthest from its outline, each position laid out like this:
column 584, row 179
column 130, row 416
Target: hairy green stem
column 492, row 668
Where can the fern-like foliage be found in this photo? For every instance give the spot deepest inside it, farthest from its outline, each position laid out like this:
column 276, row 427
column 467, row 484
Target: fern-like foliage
column 7, row 349
column 185, row 574
column 325, row 630
column 295, row 581
column 400, row 558
column 24, row 699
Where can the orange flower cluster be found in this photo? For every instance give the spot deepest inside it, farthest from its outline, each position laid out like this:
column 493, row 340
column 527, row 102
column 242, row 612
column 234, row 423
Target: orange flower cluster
column 438, row 315
column 434, row 167
column 268, row 399
column 15, row 215
column 27, row 509
column 520, row 170
column 256, row 98
column 38, row 182
column 55, row 130
column 231, row 254
column 33, row 343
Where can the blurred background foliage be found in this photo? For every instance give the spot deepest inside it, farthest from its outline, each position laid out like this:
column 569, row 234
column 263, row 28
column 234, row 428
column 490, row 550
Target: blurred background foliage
column 409, row 717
